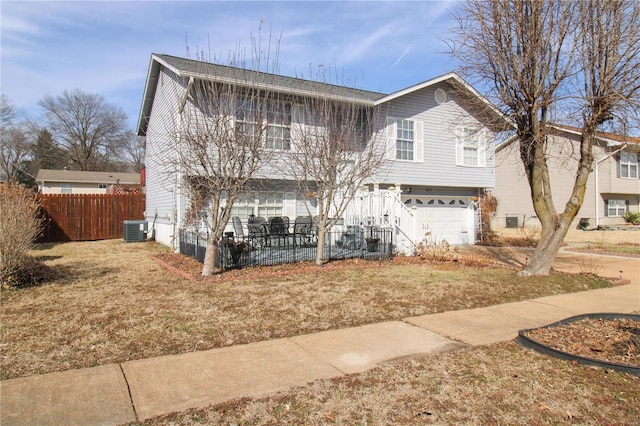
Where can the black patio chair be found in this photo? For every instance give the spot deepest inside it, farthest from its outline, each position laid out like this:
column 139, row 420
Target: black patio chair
column 302, row 230
column 278, row 230
column 258, row 233
column 237, row 228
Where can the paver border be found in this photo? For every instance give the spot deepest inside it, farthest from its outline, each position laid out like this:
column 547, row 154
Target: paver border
column 524, row 340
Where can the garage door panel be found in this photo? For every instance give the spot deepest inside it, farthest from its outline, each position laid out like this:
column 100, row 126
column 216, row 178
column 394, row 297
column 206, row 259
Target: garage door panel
column 445, row 222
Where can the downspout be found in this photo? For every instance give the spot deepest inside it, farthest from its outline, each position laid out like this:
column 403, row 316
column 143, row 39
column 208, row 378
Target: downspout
column 597, row 192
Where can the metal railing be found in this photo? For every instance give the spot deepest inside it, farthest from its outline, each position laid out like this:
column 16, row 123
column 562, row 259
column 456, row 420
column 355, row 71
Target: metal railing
column 352, row 242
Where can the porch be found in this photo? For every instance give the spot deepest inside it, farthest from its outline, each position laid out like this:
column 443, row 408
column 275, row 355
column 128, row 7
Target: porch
column 368, row 243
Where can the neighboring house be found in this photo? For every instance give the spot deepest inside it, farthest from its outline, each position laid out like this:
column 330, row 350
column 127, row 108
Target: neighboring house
column 440, row 154
column 612, row 190
column 77, row 182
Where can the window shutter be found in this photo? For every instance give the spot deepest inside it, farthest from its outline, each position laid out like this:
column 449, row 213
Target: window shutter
column 606, row 208
column 459, row 147
column 618, row 166
column 418, row 145
column 391, row 138
column 297, row 121
column 483, row 147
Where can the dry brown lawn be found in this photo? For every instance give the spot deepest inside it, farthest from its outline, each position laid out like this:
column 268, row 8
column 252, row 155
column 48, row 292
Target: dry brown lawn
column 499, row 384
column 116, row 303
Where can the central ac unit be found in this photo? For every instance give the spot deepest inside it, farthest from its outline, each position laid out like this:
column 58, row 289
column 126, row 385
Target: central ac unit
column 135, row 230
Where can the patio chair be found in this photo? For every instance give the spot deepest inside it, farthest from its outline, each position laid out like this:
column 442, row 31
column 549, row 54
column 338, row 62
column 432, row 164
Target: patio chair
column 258, row 234
column 237, row 228
column 302, row 231
column 278, row 229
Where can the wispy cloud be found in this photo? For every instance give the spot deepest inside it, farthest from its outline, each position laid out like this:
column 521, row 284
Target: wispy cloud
column 104, row 47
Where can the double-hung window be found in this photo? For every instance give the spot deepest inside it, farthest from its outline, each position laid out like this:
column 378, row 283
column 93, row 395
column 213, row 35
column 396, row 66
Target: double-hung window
column 248, row 124
column 265, row 204
column 628, row 165
column 405, row 140
column 469, row 148
column 278, row 134
column 616, row 208
column 270, row 204
column 268, row 120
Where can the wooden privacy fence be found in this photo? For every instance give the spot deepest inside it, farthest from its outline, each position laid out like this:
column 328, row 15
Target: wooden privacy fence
column 86, row 217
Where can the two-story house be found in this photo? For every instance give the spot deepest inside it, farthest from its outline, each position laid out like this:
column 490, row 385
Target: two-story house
column 613, row 188
column 439, row 146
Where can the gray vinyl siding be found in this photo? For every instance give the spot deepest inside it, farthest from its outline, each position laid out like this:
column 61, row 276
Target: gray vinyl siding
column 514, row 195
column 440, row 123
column 161, row 184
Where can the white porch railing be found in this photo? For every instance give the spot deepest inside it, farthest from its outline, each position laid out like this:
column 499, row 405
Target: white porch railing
column 384, row 208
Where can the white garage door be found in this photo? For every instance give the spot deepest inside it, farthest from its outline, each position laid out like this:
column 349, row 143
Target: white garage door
column 445, row 218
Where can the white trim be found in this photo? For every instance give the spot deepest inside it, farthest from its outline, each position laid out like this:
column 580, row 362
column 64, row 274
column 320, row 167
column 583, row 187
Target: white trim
column 449, row 76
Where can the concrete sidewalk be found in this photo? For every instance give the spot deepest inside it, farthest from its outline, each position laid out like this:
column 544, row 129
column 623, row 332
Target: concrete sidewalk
column 137, row 390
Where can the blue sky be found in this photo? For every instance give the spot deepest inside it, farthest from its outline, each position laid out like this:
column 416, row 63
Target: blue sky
column 104, row 47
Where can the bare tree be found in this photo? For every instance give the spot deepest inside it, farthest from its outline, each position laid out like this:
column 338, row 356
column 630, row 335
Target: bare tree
column 91, row 130
column 216, row 142
column 133, row 151
column 336, row 151
column 14, row 146
column 579, row 58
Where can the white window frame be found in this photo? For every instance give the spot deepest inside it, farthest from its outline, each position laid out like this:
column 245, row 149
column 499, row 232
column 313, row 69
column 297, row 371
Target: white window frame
column 470, row 140
column 616, row 208
column 276, row 122
column 263, row 203
column 66, row 188
column 628, row 165
column 399, row 133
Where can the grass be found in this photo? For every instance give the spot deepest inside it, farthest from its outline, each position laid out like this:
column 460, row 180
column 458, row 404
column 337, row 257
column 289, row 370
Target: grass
column 495, row 384
column 627, row 249
column 115, row 303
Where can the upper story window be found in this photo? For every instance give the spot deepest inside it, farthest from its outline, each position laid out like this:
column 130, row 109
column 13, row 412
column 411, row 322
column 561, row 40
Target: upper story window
column 628, row 165
column 65, row 188
column 270, row 120
column 469, row 148
column 102, row 186
column 404, row 140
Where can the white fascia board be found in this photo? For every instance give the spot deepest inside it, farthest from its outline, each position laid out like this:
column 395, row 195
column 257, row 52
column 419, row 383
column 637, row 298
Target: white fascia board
column 445, row 77
column 414, row 88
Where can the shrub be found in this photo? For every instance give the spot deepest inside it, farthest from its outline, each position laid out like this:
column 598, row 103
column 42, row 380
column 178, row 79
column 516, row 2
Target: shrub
column 488, row 209
column 436, row 251
column 632, row 217
column 20, row 226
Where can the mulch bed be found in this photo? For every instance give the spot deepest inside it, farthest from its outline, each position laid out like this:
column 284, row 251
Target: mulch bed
column 611, row 340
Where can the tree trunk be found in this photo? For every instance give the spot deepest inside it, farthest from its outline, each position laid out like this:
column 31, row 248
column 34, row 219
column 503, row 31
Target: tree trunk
column 546, row 250
column 209, row 266
column 320, row 246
